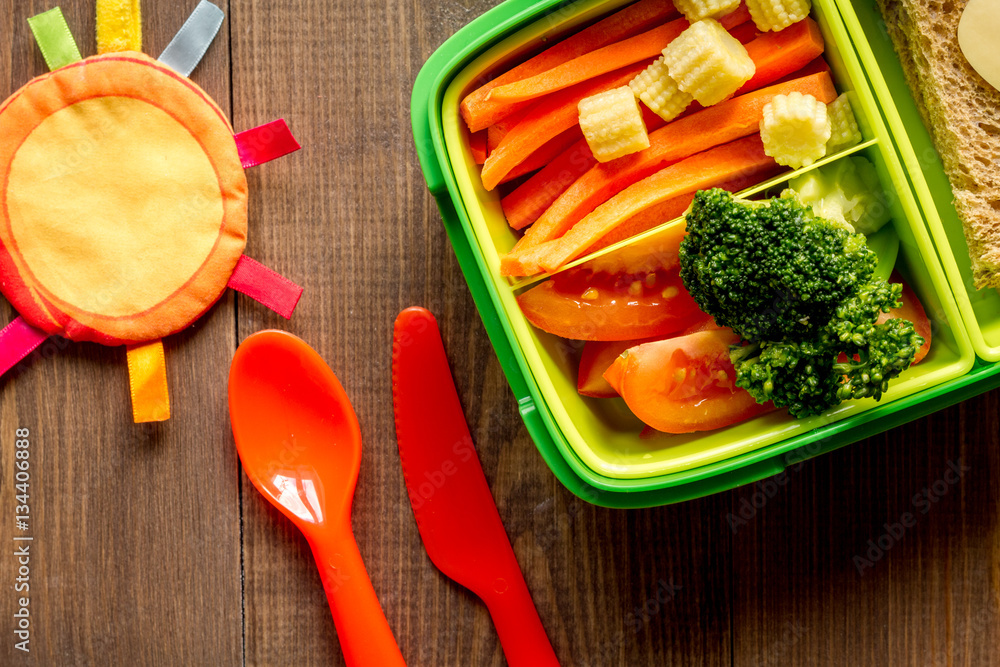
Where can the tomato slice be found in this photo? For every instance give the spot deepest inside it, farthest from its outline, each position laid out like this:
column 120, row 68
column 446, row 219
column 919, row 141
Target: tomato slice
column 632, row 293
column 684, row 384
column 913, row 311
column 706, row 324
column 584, row 305
column 596, row 358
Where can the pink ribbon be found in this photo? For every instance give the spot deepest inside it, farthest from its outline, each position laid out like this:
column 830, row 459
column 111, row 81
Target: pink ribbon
column 17, row 340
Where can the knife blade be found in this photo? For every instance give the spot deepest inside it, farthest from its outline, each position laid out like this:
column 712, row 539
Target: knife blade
column 456, row 515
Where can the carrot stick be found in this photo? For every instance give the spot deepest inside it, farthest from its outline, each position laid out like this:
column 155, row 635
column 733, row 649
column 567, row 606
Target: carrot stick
column 673, row 208
column 723, row 163
column 523, row 206
column 644, row 220
column 648, row 218
column 814, row 66
column 745, row 32
column 545, row 154
column 495, row 134
column 776, row 54
column 643, row 15
column 529, row 200
column 646, row 46
column 498, row 130
column 545, row 119
column 477, row 145
column 716, row 125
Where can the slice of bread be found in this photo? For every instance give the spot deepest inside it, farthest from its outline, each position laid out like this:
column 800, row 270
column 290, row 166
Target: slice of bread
column 962, row 112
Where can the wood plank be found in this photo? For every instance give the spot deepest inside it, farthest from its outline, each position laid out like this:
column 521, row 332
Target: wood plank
column 136, row 527
column 349, row 217
column 879, row 553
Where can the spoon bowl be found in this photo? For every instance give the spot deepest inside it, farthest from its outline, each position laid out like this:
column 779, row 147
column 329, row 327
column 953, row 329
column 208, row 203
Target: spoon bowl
column 300, row 444
column 299, row 438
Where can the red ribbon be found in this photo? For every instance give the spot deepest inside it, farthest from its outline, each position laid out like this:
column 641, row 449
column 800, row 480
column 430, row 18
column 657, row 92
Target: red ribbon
column 265, row 286
column 265, row 143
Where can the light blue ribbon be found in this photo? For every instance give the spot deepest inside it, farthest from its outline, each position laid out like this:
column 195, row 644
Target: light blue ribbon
column 189, row 45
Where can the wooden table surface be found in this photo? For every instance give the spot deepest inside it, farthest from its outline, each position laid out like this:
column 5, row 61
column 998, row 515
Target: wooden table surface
column 151, row 547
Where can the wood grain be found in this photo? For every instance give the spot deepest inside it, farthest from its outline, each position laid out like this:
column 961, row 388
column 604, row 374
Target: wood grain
column 879, row 553
column 136, row 527
column 154, row 549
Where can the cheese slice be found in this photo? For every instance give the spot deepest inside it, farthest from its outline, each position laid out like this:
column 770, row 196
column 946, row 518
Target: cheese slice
column 977, row 36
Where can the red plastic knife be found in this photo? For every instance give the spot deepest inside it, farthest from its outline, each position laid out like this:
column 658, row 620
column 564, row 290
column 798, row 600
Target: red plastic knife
column 455, row 512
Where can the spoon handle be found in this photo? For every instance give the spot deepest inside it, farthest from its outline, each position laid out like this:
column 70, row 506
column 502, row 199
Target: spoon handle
column 364, row 634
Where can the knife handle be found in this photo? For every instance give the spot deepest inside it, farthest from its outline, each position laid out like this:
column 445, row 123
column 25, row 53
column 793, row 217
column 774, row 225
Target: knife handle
column 365, row 637
column 521, row 633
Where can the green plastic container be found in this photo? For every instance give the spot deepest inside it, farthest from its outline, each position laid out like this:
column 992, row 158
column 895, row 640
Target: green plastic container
column 593, row 446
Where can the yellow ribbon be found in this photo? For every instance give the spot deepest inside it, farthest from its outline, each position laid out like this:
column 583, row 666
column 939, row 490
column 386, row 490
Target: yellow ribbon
column 119, row 26
column 147, row 380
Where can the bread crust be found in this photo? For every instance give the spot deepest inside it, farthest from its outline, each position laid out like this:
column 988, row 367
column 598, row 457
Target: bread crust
column 962, row 113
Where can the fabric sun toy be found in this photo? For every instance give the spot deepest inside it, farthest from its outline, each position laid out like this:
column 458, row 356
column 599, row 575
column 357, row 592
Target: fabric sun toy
column 123, row 198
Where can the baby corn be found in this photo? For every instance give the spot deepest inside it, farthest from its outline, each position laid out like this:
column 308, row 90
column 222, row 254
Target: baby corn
column 696, row 10
column 708, row 63
column 844, row 131
column 795, row 129
column 777, row 14
column 658, row 91
column 612, row 124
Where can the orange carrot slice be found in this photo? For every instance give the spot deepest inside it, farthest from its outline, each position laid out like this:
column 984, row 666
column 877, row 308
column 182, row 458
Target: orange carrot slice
column 529, row 200
column 814, row 66
column 656, row 215
column 672, row 209
column 723, row 163
column 545, row 119
column 523, row 206
column 479, row 113
column 477, row 144
column 675, row 141
column 776, row 54
column 745, row 32
column 646, row 46
column 549, row 151
column 498, row 130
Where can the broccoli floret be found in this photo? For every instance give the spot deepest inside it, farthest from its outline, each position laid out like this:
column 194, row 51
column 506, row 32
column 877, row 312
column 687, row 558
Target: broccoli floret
column 876, row 353
column 769, row 269
column 851, row 357
column 797, row 376
column 889, row 351
column 800, row 291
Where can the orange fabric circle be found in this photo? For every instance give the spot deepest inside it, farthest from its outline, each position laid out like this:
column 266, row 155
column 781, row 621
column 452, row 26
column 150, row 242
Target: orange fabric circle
column 123, row 209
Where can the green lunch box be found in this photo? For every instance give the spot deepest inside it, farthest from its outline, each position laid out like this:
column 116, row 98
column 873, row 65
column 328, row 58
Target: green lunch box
column 593, row 445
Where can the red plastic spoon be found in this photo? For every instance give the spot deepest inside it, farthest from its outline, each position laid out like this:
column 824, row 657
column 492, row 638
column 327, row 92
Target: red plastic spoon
column 300, row 444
